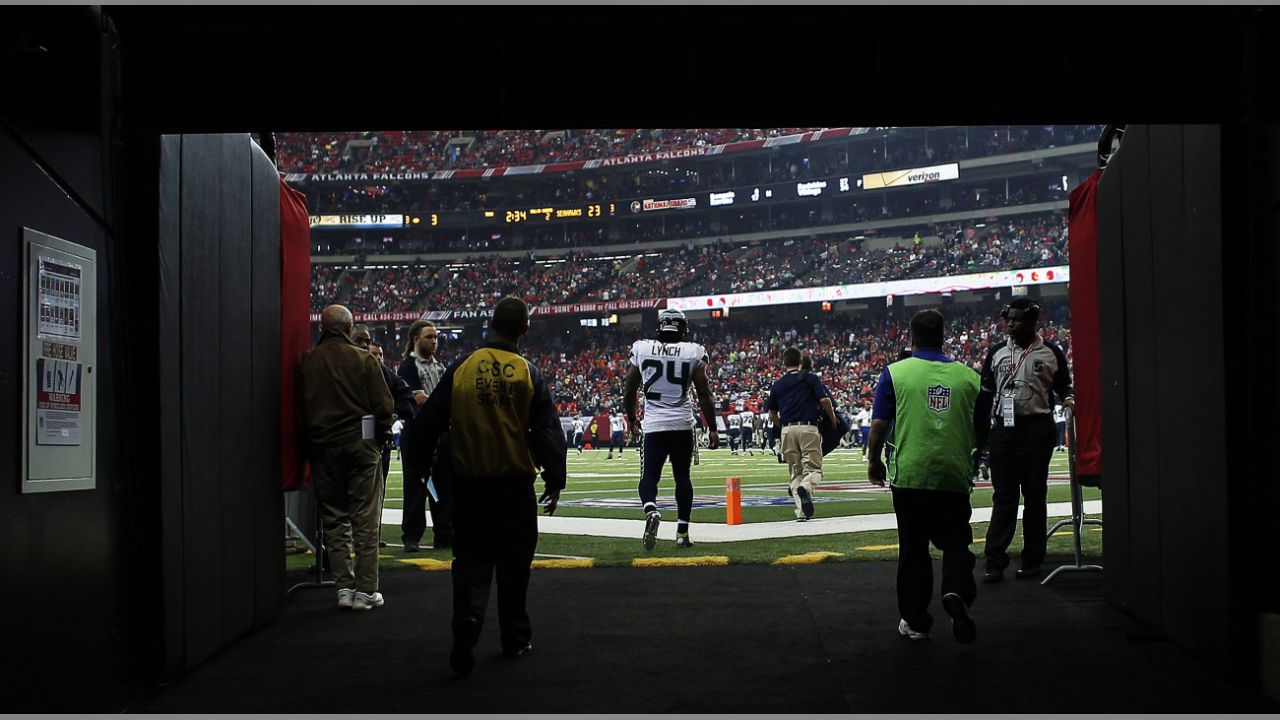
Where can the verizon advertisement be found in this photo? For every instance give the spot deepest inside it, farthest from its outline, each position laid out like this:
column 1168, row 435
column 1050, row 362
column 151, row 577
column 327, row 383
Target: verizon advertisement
column 913, row 176
column 917, row 286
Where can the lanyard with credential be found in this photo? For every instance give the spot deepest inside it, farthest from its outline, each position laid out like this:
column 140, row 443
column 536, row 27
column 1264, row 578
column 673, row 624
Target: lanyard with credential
column 1008, row 381
column 1007, row 411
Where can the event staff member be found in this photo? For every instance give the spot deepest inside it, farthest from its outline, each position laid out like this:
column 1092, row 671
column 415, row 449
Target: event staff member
column 864, row 427
column 935, row 408
column 505, row 428
column 339, row 384
column 795, row 403
column 422, row 372
column 1020, row 377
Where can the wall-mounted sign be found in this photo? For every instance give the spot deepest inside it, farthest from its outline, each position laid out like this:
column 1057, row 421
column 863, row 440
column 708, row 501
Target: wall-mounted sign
column 59, row 353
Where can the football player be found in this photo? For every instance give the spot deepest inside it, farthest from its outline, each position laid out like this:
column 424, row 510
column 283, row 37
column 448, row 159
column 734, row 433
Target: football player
column 617, row 429
column 735, row 430
column 663, row 369
column 748, row 431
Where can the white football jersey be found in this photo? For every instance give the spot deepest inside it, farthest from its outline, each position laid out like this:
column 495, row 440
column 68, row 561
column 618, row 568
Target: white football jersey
column 747, row 417
column 666, row 377
column 735, row 421
column 617, row 423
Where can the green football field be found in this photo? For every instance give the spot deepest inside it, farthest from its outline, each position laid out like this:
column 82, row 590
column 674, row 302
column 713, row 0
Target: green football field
column 603, row 488
column 607, row 488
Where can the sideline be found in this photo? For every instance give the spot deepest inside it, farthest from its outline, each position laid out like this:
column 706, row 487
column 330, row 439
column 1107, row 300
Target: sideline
column 716, row 532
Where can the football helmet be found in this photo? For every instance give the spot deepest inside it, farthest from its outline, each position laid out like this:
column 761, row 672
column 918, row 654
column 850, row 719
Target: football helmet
column 672, row 320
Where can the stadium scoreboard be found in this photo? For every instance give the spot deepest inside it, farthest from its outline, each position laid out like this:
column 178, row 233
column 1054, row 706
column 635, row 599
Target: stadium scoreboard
column 468, row 218
column 729, row 198
column 589, row 211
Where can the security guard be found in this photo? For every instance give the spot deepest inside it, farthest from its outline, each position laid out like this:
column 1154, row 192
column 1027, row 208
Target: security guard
column 503, row 428
column 1020, row 377
column 938, row 419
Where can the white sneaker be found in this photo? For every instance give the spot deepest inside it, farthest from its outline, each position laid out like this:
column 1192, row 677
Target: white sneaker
column 345, row 597
column 364, row 601
column 905, row 631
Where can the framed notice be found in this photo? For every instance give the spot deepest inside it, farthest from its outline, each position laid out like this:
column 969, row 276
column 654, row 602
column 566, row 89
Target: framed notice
column 59, row 298
column 59, row 353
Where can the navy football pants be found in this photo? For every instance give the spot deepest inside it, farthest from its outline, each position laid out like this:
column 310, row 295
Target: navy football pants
column 658, row 446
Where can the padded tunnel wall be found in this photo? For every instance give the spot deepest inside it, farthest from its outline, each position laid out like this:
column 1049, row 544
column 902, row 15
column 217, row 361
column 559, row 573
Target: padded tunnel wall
column 219, row 333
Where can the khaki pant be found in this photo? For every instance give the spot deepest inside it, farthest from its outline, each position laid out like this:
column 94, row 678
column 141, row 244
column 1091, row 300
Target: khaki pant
column 802, row 449
column 348, row 482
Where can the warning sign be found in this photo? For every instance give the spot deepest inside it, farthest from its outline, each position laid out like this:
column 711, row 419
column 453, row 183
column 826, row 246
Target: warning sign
column 58, row 402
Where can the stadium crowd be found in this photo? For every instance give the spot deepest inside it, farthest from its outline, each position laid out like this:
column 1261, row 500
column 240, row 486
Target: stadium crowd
column 784, row 216
column 481, row 284
column 952, row 249
column 848, row 352
column 430, row 150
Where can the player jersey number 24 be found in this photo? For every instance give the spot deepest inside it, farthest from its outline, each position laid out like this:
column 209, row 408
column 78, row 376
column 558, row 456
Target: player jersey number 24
column 666, row 372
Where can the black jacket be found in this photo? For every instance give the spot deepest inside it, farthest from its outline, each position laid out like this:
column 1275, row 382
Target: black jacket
column 401, row 393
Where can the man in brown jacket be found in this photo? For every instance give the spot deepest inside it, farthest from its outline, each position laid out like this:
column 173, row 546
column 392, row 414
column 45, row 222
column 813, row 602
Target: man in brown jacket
column 339, row 386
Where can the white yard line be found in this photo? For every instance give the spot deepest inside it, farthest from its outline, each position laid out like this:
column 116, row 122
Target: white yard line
column 715, row 532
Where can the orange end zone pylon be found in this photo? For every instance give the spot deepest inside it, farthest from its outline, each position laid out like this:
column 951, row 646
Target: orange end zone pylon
column 733, row 501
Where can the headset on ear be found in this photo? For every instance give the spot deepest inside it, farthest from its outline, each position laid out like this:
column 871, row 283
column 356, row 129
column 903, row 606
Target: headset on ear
column 1032, row 311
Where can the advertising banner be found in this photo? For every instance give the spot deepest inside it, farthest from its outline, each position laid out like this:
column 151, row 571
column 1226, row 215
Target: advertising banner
column 915, row 286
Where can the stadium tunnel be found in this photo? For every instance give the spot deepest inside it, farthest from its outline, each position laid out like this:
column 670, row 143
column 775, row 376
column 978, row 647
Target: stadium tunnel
column 128, row 132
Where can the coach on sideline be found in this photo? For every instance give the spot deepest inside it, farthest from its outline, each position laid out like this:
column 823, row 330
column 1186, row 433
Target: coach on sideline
column 939, row 419
column 1020, row 377
column 504, row 428
column 794, row 404
column 422, row 371
column 339, row 384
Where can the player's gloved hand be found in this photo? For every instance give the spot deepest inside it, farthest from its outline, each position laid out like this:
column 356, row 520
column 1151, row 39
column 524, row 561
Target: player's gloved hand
column 550, row 500
column 713, row 440
column 876, row 472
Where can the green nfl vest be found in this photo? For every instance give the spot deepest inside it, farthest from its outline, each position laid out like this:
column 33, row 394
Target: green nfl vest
column 933, row 425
